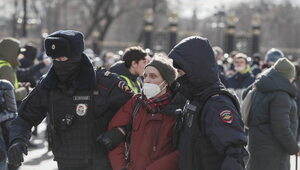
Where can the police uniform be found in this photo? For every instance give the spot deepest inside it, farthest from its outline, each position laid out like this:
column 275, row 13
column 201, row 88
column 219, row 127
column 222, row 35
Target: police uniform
column 212, row 135
column 77, row 114
column 134, row 82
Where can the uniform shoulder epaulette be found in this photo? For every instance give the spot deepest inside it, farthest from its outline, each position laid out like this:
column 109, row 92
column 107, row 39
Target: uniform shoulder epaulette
column 107, row 79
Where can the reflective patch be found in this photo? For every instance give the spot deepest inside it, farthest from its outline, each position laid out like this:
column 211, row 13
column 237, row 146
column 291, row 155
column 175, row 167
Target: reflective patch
column 95, row 92
column 81, row 109
column 226, row 116
column 123, row 86
column 107, row 73
column 53, row 47
column 81, row 97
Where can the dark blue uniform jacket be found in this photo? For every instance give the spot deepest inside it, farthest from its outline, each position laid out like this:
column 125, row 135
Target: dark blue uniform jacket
column 222, row 123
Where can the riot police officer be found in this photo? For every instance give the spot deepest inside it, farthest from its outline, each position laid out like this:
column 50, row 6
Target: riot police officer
column 212, row 133
column 80, row 102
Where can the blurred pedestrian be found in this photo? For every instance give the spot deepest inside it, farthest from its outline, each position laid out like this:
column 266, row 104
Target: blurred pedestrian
column 271, row 57
column 131, row 68
column 273, row 119
column 8, row 111
column 243, row 77
column 256, row 64
column 9, row 50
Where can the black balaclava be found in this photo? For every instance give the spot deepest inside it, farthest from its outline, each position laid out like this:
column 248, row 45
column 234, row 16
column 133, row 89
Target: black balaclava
column 30, row 54
column 25, row 62
column 67, row 70
column 185, row 86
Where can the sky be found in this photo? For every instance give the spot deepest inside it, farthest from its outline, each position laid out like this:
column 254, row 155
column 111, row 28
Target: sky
column 186, row 7
column 208, row 7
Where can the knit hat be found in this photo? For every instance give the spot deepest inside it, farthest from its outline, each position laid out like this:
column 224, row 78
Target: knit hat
column 9, row 50
column 67, row 43
column 285, row 68
column 166, row 70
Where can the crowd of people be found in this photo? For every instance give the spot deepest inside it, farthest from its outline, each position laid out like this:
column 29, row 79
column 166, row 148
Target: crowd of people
column 140, row 110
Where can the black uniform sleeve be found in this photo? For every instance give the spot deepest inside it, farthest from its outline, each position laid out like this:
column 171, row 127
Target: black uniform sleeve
column 114, row 93
column 224, row 127
column 118, row 96
column 31, row 113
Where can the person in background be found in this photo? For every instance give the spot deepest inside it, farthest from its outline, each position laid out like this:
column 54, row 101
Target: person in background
column 131, row 68
column 9, row 50
column 273, row 120
column 271, row 57
column 219, row 59
column 296, row 83
column 243, row 77
column 256, row 65
column 8, row 111
column 28, row 71
column 109, row 59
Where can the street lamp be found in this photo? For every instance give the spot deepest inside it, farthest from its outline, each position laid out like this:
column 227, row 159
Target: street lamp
column 173, row 24
column 230, row 32
column 148, row 28
column 256, row 32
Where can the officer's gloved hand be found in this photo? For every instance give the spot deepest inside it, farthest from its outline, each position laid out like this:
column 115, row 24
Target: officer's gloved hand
column 16, row 151
column 111, row 139
column 235, row 159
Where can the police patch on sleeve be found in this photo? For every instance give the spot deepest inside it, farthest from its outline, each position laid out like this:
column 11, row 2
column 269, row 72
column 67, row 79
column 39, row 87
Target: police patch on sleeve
column 81, row 109
column 226, row 116
column 123, row 86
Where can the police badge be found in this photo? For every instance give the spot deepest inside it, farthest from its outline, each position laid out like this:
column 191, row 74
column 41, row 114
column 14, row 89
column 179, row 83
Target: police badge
column 81, row 109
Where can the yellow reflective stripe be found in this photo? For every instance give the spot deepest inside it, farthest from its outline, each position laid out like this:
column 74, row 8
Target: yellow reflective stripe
column 130, row 84
column 5, row 63
column 139, row 84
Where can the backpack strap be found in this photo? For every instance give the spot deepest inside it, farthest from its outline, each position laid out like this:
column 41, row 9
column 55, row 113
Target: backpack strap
column 129, row 127
column 133, row 115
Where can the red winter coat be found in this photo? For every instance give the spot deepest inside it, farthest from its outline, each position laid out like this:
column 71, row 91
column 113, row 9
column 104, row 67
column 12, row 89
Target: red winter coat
column 151, row 140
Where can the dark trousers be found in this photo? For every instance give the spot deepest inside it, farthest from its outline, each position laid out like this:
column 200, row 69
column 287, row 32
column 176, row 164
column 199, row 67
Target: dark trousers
column 94, row 165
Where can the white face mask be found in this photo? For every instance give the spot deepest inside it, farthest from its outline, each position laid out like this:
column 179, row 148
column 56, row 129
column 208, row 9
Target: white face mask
column 151, row 90
column 239, row 69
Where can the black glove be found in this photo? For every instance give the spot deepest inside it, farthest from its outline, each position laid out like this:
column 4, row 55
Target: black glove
column 15, row 152
column 111, row 139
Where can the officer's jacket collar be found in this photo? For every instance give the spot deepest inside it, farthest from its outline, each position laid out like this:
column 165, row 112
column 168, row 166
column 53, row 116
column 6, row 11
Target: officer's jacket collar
column 121, row 69
column 85, row 80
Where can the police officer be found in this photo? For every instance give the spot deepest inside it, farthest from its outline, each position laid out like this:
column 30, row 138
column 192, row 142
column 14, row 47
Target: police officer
column 132, row 67
column 80, row 102
column 212, row 133
column 8, row 111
